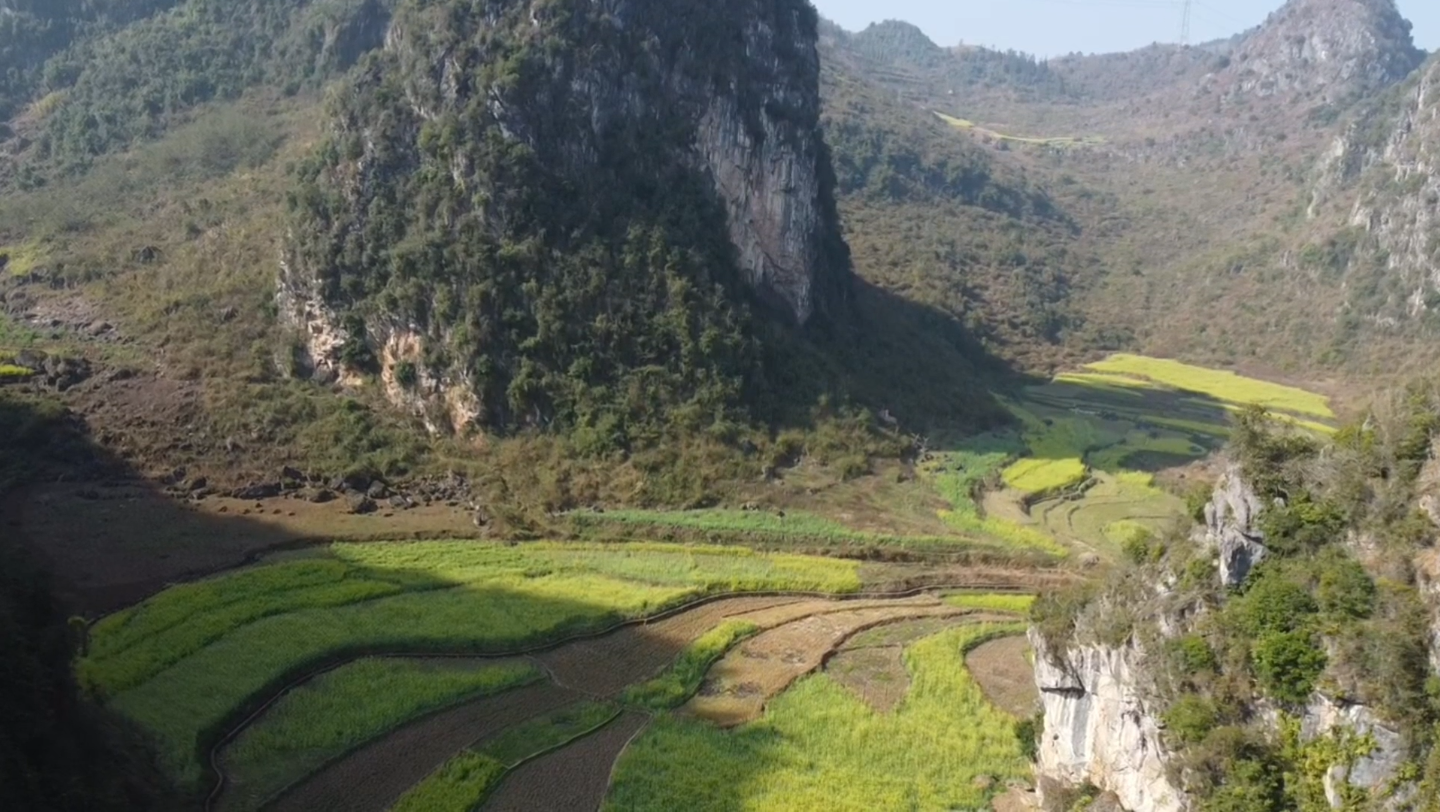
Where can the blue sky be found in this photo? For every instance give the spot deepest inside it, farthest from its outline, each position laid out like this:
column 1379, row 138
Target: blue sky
column 1055, row 27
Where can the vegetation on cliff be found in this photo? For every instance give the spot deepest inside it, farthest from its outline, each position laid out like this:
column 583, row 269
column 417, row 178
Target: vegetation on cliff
column 1333, row 615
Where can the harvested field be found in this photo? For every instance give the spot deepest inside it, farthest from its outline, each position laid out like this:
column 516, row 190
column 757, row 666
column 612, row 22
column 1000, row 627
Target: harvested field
column 876, row 675
column 1002, row 669
column 571, row 779
column 737, row 687
column 871, row 665
column 372, row 778
column 818, row 747
column 637, row 653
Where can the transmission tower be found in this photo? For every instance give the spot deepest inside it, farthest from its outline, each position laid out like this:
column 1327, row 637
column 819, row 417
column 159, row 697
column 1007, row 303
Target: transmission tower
column 1185, row 22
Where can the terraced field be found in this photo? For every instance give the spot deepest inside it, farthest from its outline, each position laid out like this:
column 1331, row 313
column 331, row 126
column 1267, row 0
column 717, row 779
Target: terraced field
column 341, row 677
column 1081, row 470
column 464, row 675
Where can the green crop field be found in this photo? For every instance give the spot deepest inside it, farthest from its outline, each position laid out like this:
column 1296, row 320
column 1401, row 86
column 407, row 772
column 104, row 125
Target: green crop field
column 185, row 662
column 462, row 783
column 1090, row 442
column 1218, row 384
column 959, row 475
column 459, row 786
column 1014, row 604
column 801, row 529
column 339, row 711
column 820, row 747
column 683, row 678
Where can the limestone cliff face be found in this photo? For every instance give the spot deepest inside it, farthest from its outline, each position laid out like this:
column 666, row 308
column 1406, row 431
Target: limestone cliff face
column 1104, row 708
column 491, row 142
column 1231, row 528
column 1100, row 727
column 1322, row 51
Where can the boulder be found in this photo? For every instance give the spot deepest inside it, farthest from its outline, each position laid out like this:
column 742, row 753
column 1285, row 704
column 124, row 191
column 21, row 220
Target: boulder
column 265, row 490
column 361, row 504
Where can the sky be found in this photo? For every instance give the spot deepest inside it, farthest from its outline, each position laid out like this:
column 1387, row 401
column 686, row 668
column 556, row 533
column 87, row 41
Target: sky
column 1049, row 28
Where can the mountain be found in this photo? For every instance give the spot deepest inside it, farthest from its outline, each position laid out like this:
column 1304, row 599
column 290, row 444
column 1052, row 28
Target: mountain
column 1199, row 182
column 522, row 213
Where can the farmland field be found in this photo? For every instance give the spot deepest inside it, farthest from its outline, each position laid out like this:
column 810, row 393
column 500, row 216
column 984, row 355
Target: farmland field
column 820, row 747
column 184, row 663
column 446, row 674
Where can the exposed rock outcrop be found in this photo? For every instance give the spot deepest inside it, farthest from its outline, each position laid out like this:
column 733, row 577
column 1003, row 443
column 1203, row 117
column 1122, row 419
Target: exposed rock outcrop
column 1231, row 527
column 1374, row 771
column 1399, row 205
column 1322, row 52
column 1099, row 728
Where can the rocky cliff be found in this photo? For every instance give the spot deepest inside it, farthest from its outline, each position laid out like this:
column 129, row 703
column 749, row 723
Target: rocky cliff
column 1399, row 202
column 1322, row 52
column 1138, row 715
column 1101, row 727
column 543, row 202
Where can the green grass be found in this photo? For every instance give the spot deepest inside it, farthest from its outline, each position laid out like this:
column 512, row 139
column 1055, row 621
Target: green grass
column 463, row 782
column 459, row 786
column 1218, row 384
column 820, row 747
column 545, row 733
column 23, row 258
column 958, row 475
column 1015, row 604
column 12, row 371
column 339, row 711
column 794, row 529
column 184, row 663
column 682, row 679
column 1033, row 476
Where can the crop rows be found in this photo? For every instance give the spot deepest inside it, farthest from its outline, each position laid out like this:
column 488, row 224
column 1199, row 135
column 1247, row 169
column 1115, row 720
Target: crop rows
column 188, row 661
column 820, row 747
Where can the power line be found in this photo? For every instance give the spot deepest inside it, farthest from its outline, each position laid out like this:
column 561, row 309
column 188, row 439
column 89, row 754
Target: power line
column 1185, row 23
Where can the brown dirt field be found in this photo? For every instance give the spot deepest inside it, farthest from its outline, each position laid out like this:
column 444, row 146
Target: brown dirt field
column 571, row 779
column 876, row 675
column 737, row 687
column 1016, row 800
column 1005, row 674
column 372, row 778
column 606, row 666
column 872, row 663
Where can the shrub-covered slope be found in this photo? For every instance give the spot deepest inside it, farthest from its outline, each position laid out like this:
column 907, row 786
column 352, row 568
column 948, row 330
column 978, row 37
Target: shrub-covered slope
column 1278, row 658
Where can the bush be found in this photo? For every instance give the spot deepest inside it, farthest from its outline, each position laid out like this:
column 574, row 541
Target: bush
column 1345, row 590
column 406, row 375
column 1303, row 524
column 1190, row 719
column 1272, row 604
column 1027, row 733
column 1287, row 664
column 1190, row 655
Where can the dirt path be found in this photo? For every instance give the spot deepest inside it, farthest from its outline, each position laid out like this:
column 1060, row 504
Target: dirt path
column 372, row 778
column 607, row 665
column 571, row 779
column 1006, row 677
column 737, row 687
